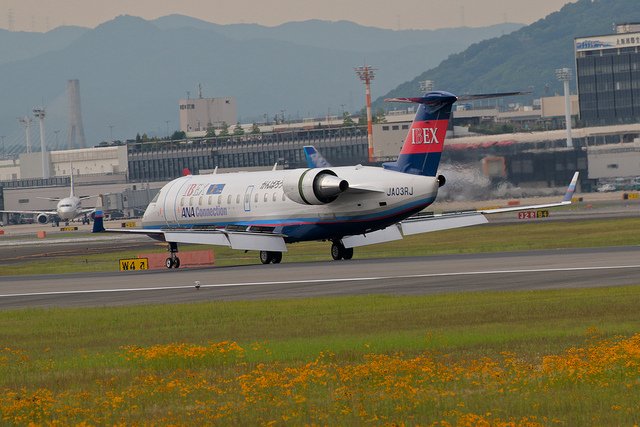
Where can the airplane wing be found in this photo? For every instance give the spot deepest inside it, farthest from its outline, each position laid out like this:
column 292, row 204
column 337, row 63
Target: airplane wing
column 243, row 240
column 31, row 212
column 435, row 222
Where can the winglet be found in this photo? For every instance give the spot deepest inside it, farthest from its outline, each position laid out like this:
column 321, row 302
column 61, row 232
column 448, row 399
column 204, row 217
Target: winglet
column 98, row 224
column 572, row 187
column 186, row 172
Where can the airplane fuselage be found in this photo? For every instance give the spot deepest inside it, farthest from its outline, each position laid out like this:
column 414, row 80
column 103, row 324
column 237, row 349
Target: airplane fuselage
column 69, row 208
column 280, row 202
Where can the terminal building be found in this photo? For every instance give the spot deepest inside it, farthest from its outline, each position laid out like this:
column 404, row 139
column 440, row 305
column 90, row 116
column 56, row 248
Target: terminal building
column 608, row 70
column 196, row 115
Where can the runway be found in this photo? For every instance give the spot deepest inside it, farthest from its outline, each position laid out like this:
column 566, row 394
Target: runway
column 509, row 271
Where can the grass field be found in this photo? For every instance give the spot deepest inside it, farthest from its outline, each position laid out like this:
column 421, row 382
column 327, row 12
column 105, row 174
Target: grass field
column 561, row 357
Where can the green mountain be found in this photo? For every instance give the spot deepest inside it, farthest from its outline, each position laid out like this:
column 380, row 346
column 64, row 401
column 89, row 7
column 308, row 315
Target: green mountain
column 525, row 59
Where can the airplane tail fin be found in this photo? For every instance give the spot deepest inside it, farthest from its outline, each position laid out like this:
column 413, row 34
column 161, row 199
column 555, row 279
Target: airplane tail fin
column 98, row 224
column 314, row 158
column 571, row 190
column 422, row 148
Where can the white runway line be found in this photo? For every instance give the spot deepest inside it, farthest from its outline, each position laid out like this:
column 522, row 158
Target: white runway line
column 312, row 281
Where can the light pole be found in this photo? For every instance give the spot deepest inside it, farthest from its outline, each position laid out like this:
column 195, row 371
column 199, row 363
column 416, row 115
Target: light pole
column 2, row 136
column 167, row 122
column 39, row 113
column 111, row 128
column 564, row 75
column 366, row 74
column 26, row 121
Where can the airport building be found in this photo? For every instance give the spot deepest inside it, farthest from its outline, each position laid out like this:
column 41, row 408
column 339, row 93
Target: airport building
column 608, row 74
column 197, row 114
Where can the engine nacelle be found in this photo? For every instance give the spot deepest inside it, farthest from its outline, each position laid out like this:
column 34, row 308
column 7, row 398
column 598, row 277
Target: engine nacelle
column 43, row 218
column 313, row 186
column 441, row 180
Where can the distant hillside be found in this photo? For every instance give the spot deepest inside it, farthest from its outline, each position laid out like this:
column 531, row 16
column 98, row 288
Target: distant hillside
column 525, row 59
column 132, row 72
column 16, row 46
column 345, row 35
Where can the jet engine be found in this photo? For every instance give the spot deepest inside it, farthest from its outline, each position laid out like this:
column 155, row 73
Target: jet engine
column 43, row 218
column 313, row 186
column 441, row 180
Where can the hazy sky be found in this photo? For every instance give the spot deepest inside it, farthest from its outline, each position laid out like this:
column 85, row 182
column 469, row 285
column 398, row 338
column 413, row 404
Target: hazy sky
column 43, row 15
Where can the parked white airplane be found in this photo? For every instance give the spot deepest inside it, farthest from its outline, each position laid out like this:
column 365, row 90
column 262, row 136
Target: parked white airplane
column 350, row 206
column 68, row 208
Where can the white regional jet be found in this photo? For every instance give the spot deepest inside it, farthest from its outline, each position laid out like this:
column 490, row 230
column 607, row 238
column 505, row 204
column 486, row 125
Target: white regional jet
column 350, row 206
column 68, row 208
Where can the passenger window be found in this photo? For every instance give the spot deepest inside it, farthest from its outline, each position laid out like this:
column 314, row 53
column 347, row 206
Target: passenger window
column 266, row 197
column 210, row 200
column 275, row 197
column 229, row 199
column 182, row 202
column 255, row 199
column 200, row 201
column 219, row 200
column 284, row 197
column 190, row 201
column 238, row 198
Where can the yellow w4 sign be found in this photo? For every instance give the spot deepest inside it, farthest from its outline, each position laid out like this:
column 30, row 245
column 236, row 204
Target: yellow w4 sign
column 134, row 264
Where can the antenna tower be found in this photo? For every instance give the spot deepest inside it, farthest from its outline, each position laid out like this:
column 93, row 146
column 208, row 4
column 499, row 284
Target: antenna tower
column 10, row 19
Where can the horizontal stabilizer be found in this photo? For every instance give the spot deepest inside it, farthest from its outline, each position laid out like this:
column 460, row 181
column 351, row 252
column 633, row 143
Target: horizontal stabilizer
column 489, row 95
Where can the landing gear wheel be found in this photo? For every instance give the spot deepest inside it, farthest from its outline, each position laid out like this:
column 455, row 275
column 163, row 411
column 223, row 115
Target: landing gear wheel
column 173, row 261
column 347, row 253
column 277, row 257
column 337, row 251
column 265, row 257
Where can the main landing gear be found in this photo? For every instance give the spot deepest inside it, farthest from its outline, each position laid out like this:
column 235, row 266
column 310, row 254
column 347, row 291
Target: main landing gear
column 173, row 260
column 267, row 257
column 338, row 251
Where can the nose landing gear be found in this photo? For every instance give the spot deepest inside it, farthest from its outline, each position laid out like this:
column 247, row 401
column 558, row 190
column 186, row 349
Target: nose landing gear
column 173, row 260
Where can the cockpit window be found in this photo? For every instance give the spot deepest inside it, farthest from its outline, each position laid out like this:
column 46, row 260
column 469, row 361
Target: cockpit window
column 155, row 198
